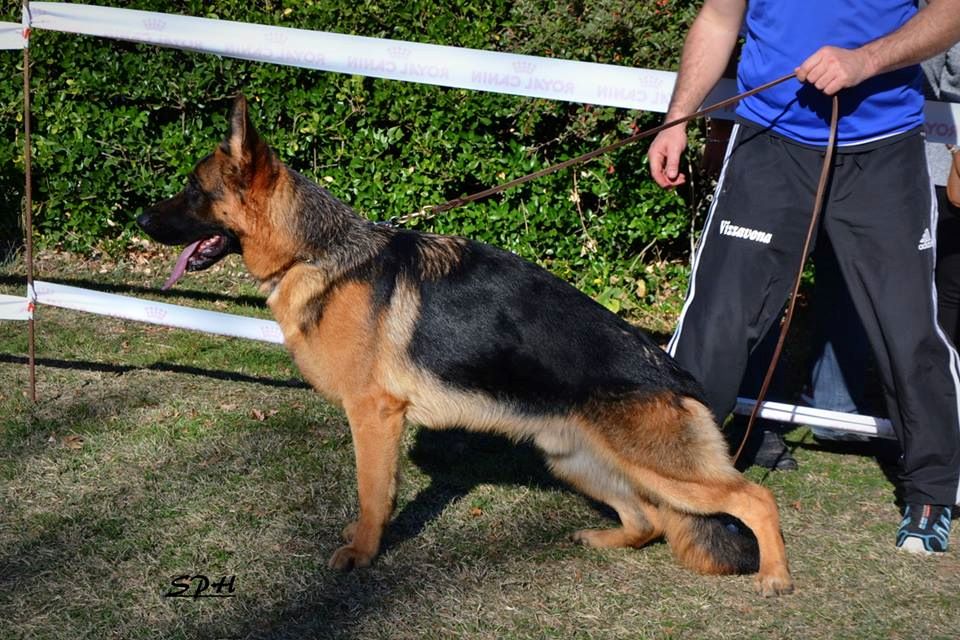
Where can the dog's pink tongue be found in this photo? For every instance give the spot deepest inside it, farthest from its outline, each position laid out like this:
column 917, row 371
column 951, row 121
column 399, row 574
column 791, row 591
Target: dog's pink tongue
column 181, row 267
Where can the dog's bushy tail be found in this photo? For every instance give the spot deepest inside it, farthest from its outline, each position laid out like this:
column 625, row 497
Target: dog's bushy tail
column 714, row 544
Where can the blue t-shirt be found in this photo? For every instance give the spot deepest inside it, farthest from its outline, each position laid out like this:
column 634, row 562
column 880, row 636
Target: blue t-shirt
column 781, row 34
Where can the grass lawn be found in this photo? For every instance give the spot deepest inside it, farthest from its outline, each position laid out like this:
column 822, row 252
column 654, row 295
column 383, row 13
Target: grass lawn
column 155, row 453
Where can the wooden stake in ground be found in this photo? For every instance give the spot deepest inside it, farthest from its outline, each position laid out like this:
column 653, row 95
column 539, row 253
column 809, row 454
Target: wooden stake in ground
column 28, row 205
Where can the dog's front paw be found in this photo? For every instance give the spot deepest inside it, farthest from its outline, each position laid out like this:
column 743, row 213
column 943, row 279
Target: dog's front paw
column 350, row 531
column 349, row 557
column 773, row 585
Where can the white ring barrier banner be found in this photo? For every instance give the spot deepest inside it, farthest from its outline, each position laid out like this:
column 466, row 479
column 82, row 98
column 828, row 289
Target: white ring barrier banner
column 14, row 308
column 498, row 72
column 168, row 315
column 510, row 73
column 11, row 36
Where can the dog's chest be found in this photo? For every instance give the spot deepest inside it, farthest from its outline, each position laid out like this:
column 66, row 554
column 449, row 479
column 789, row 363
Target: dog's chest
column 328, row 332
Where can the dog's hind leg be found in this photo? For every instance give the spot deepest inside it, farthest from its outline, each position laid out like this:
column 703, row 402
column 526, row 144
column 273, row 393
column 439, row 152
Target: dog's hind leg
column 671, row 449
column 581, row 467
column 376, row 423
column 721, row 489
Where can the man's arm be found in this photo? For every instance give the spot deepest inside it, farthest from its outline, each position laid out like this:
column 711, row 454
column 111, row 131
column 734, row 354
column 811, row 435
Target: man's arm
column 706, row 50
column 933, row 29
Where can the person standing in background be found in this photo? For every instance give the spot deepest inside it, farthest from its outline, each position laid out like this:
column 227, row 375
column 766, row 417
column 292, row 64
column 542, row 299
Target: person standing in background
column 841, row 347
column 878, row 212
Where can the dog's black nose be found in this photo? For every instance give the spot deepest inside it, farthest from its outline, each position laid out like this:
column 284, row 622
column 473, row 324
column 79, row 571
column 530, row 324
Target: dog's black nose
column 143, row 220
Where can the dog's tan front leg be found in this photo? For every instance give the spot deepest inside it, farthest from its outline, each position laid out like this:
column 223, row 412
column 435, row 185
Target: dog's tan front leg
column 376, row 424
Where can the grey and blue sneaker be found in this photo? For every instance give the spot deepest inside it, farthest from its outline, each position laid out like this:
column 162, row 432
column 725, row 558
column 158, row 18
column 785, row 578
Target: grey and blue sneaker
column 925, row 529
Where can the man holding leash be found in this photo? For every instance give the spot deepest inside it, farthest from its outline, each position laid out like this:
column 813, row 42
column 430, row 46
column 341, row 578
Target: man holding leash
column 878, row 211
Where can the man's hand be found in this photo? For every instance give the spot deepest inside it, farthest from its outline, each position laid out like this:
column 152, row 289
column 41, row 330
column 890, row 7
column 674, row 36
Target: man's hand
column 831, row 69
column 664, row 156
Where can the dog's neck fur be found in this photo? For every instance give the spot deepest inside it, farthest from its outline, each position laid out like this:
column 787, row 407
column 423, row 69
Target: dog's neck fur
column 330, row 237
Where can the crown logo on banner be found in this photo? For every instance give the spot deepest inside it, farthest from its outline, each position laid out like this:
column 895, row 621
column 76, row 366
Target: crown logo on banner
column 524, row 66
column 155, row 313
column 276, row 36
column 399, row 52
column 154, row 24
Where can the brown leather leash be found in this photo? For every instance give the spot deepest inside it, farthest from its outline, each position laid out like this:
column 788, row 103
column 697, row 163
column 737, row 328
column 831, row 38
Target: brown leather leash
column 432, row 211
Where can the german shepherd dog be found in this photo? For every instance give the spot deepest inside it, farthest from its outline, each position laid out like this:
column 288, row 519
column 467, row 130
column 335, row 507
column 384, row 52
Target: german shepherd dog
column 398, row 326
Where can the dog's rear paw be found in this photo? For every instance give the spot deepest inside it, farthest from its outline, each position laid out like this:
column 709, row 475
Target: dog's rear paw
column 349, row 557
column 773, row 585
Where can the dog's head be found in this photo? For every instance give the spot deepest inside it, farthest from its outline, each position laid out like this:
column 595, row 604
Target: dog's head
column 225, row 202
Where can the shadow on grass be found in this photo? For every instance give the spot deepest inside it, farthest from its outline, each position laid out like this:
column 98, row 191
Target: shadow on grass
column 59, row 541
column 132, row 289
column 331, row 604
column 42, row 552
column 102, row 367
column 456, row 462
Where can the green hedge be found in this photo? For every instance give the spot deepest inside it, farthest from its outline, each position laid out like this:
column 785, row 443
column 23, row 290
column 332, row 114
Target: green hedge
column 118, row 125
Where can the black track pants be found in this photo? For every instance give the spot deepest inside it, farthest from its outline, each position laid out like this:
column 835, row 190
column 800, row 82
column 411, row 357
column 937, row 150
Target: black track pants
column 880, row 217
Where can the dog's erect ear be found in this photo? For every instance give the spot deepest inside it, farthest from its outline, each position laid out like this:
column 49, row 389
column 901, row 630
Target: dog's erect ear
column 242, row 143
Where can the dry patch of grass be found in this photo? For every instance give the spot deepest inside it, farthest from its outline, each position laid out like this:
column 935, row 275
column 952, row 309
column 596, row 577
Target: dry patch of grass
column 155, row 453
